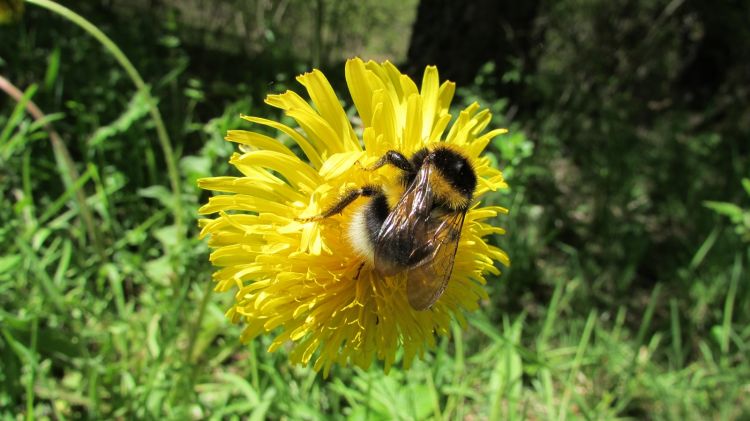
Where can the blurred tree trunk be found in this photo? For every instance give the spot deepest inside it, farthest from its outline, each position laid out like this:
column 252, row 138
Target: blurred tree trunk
column 461, row 37
column 719, row 53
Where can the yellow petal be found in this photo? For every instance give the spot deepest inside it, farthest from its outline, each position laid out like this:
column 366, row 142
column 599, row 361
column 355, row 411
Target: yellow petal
column 413, row 129
column 312, row 155
column 257, row 141
column 330, row 109
column 358, row 81
column 296, row 172
column 337, row 164
column 429, row 92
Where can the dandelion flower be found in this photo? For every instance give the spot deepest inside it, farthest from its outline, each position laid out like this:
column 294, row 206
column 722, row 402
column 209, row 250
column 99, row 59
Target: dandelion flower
column 305, row 281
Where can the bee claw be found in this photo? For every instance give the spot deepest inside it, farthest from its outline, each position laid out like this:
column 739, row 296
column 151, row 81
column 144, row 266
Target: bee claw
column 309, row 219
column 359, row 270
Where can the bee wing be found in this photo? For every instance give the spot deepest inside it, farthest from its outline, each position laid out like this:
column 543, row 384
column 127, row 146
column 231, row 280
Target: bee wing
column 426, row 281
column 404, row 231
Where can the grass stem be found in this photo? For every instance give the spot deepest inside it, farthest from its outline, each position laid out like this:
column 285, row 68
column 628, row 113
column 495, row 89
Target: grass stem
column 66, row 164
column 123, row 60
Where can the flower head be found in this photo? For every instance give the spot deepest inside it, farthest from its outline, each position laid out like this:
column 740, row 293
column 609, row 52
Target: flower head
column 305, row 279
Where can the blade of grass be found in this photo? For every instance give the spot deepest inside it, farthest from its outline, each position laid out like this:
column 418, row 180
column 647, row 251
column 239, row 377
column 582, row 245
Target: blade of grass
column 368, row 396
column 63, row 264
column 619, row 323
column 582, row 346
column 624, row 396
column 55, row 207
column 22, row 101
column 29, row 211
column 434, row 395
column 551, row 316
column 110, row 272
column 64, row 161
column 32, row 369
column 548, row 391
column 480, row 322
column 708, row 243
column 189, row 357
column 505, row 379
column 27, row 356
column 726, row 325
column 647, row 316
column 456, row 401
column 53, row 68
column 101, row 193
column 676, row 333
column 51, row 292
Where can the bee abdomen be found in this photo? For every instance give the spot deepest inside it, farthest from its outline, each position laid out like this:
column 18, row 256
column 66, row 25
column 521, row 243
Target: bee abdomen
column 375, row 214
column 366, row 224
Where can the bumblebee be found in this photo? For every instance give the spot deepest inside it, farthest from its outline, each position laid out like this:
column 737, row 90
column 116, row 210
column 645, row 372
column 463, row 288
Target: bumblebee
column 416, row 232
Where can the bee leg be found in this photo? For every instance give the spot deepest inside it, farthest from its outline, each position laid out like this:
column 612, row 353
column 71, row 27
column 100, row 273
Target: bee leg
column 344, row 201
column 359, row 270
column 394, row 158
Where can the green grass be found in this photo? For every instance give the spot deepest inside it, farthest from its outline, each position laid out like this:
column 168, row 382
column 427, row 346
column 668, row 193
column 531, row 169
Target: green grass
column 116, row 318
column 136, row 332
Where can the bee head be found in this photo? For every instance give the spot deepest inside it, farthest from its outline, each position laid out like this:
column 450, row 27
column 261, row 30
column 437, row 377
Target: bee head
column 456, row 169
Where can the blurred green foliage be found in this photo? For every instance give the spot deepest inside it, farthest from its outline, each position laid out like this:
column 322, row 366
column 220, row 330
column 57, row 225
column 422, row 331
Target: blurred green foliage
column 740, row 217
column 628, row 294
